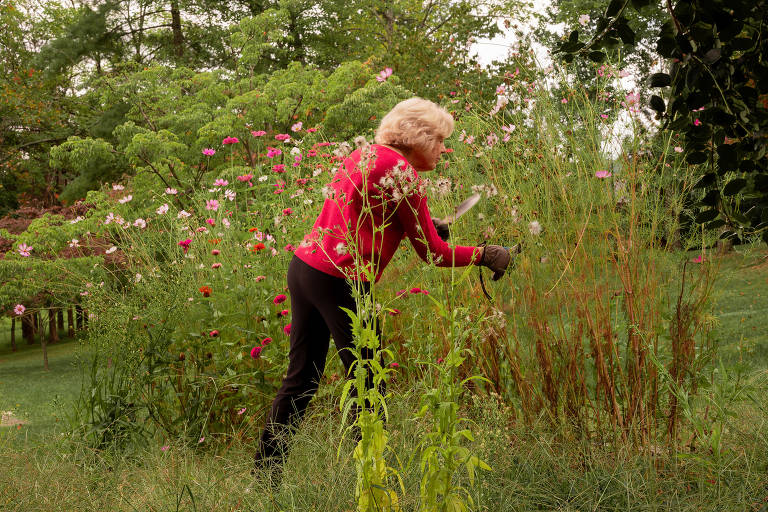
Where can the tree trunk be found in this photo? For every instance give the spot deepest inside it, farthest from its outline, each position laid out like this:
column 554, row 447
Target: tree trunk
column 60, row 319
column 79, row 312
column 70, row 322
column 13, row 334
column 85, row 319
column 28, row 328
column 53, row 332
column 178, row 37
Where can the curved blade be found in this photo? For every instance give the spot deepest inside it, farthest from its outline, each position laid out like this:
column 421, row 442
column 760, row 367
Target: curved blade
column 463, row 208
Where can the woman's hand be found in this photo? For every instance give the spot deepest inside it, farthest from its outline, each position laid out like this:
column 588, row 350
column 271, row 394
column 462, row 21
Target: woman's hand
column 496, row 258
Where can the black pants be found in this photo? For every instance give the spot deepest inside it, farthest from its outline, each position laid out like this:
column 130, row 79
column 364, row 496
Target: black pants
column 316, row 314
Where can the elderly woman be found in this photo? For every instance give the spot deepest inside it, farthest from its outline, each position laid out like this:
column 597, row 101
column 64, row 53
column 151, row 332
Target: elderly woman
column 372, row 203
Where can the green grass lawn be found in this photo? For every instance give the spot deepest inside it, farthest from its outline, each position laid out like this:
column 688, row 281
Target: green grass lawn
column 741, row 308
column 34, row 395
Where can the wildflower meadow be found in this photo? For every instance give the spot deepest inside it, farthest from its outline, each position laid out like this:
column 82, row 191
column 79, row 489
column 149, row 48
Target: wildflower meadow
column 619, row 364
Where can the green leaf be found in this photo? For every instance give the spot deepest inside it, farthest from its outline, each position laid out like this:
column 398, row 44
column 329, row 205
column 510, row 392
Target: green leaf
column 706, row 216
column 626, row 34
column 574, row 37
column 660, row 80
column 613, row 8
column 597, row 56
column 657, row 104
column 697, row 157
column 742, row 44
column 734, row 187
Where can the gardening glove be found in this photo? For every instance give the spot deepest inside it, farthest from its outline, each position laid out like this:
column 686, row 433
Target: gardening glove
column 442, row 228
column 496, row 258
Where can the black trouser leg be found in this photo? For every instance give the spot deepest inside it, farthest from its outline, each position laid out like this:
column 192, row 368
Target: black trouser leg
column 316, row 302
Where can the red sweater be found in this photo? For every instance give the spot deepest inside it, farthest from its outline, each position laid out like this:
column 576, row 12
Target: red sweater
column 395, row 195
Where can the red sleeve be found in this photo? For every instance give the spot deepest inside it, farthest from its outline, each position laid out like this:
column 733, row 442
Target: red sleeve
column 414, row 216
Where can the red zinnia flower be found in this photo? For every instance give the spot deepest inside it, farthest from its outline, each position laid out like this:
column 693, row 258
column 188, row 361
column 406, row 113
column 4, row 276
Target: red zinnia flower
column 266, row 341
column 206, row 291
column 259, row 246
column 255, row 352
column 287, row 329
column 213, row 333
column 279, row 299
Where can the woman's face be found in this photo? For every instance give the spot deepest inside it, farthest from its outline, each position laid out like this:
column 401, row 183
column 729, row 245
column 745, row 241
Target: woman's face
column 426, row 160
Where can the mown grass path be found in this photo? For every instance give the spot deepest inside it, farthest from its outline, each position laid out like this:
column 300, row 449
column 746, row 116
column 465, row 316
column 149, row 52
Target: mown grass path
column 36, row 396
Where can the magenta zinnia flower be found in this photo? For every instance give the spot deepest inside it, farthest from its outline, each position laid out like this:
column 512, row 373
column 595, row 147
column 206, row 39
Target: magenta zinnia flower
column 273, row 152
column 278, row 168
column 185, row 244
column 603, row 174
column 258, row 133
column 230, row 140
column 255, row 352
column 287, row 329
column 209, row 152
column 279, row 299
column 282, row 137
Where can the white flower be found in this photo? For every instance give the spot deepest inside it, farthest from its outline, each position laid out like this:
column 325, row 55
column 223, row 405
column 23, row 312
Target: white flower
column 171, row 191
column 111, row 250
column 76, row 220
column 125, row 199
column 225, row 221
column 74, row 243
column 327, row 192
column 117, row 186
column 307, row 201
column 140, row 223
column 340, row 248
column 584, row 19
column 263, row 178
column 317, row 172
column 230, row 195
column 295, row 151
column 534, row 227
column 163, row 209
column 183, row 214
column 138, row 278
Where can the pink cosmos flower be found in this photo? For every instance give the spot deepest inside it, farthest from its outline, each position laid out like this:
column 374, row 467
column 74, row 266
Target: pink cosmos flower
column 213, row 333
column 311, row 130
column 256, row 352
column 164, row 448
column 215, row 252
column 287, row 329
column 384, row 74
column 394, row 365
column 220, row 183
column 564, row 100
column 216, row 265
column 603, row 174
column 19, row 309
column 171, row 191
column 212, row 204
column 699, row 259
column 241, row 411
column 282, row 137
column 25, row 249
column 201, row 440
column 273, row 152
column 209, row 152
column 289, row 248
column 287, row 211
column 440, row 360
column 230, row 140
column 297, row 127
column 245, row 177
column 279, row 299
column 259, row 278
column 604, row 116
column 696, row 122
column 678, row 149
column 211, row 222
column 185, row 244
column 258, row 133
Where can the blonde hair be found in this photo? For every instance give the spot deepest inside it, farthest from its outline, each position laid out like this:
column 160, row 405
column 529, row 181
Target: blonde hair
column 415, row 123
